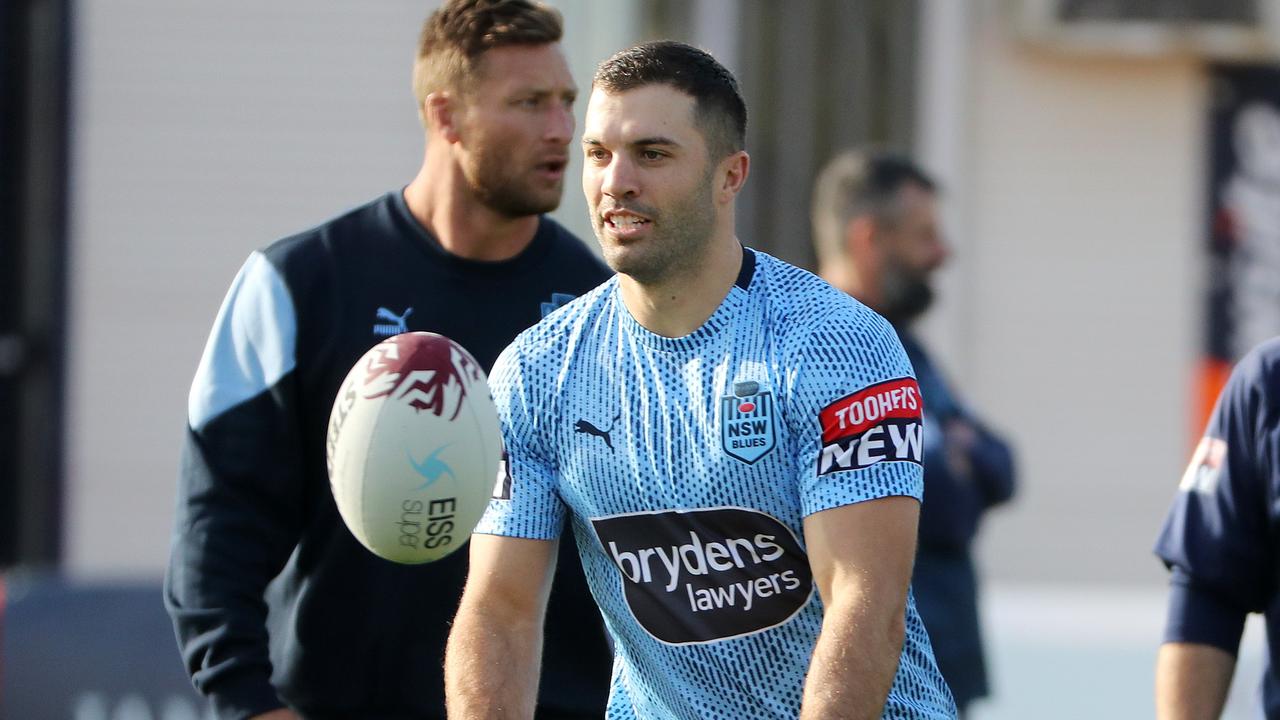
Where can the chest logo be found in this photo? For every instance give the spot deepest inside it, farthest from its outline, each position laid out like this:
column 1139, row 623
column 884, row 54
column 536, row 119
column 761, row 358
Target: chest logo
column 558, row 300
column 746, row 422
column 389, row 323
column 699, row 576
column 582, row 426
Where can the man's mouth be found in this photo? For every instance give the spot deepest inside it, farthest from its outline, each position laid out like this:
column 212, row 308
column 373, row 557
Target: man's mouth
column 623, row 220
column 554, row 166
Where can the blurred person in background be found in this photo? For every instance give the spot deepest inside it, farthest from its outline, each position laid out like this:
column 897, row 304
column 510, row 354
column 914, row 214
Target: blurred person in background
column 1221, row 543
column 877, row 238
column 279, row 611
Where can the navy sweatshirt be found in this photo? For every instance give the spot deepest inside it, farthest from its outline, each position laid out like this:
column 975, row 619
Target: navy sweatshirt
column 1221, row 537
column 272, row 598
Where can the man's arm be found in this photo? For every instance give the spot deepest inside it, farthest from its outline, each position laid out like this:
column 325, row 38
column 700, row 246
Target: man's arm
column 1217, row 543
column 1196, row 662
column 1192, row 681
column 241, row 493
column 861, row 556
column 493, row 659
column 989, row 460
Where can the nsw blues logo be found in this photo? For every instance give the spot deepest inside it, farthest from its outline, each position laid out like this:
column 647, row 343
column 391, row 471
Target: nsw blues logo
column 746, row 422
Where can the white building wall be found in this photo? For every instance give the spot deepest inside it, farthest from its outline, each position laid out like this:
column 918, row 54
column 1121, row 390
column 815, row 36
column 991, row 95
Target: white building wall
column 203, row 131
column 1083, row 284
column 1071, row 318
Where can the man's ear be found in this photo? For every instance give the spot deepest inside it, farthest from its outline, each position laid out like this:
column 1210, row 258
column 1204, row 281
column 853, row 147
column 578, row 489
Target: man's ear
column 440, row 109
column 732, row 175
column 860, row 237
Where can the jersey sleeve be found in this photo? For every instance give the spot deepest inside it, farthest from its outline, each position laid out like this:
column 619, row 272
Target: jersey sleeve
column 856, row 411
column 1216, row 531
column 526, row 502
column 239, row 490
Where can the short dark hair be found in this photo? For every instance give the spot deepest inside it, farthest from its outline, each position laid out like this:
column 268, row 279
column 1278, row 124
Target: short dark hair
column 458, row 33
column 855, row 183
column 719, row 109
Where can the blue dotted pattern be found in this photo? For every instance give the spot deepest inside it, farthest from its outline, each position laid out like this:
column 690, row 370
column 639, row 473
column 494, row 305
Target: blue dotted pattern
column 658, row 401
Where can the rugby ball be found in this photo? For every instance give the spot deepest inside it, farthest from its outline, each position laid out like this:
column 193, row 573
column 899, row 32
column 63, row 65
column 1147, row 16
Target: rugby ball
column 413, row 447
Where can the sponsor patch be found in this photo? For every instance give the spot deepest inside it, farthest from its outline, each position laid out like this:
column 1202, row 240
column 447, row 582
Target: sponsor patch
column 1206, row 466
column 878, row 423
column 698, row 576
column 746, row 422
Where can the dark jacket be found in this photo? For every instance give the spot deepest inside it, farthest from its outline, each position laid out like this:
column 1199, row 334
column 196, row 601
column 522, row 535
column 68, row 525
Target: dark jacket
column 967, row 470
column 272, row 598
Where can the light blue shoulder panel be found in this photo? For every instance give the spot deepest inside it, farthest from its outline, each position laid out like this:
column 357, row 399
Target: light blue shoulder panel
column 251, row 346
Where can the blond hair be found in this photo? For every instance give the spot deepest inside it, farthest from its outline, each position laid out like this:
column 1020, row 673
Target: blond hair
column 454, row 37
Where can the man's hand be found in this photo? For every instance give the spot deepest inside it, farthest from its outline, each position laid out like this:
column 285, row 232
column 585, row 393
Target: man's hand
column 960, row 437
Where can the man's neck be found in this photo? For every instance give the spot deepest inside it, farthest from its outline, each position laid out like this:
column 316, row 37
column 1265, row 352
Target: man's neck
column 440, row 199
column 680, row 304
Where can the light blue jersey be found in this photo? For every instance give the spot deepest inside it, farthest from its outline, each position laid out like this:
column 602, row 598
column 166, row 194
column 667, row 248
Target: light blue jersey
column 686, row 466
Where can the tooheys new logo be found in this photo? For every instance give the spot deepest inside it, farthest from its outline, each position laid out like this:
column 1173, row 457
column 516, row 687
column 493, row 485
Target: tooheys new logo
column 880, row 422
column 696, row 576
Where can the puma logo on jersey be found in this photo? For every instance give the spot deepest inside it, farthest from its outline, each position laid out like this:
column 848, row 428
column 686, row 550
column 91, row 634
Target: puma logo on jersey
column 392, row 324
column 582, row 426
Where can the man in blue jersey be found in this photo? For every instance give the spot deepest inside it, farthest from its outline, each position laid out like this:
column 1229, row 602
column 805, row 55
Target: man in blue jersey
column 278, row 609
column 876, row 234
column 735, row 444
column 1220, row 540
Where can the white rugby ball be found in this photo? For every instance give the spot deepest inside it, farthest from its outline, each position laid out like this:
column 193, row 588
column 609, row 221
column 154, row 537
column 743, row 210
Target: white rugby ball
column 413, row 447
